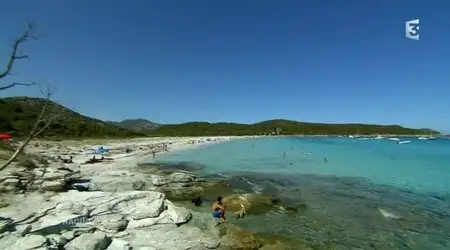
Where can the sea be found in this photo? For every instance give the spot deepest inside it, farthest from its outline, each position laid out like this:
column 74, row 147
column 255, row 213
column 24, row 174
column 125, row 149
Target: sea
column 359, row 193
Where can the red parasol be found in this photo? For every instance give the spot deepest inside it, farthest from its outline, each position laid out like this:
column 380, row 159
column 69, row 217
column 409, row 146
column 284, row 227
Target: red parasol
column 5, row 136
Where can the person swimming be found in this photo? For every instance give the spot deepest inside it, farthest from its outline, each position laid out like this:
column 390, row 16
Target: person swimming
column 218, row 211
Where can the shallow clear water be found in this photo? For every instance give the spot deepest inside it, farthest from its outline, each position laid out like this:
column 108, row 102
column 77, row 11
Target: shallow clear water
column 344, row 194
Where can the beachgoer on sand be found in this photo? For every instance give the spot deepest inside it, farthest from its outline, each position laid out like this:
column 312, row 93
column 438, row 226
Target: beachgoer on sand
column 218, row 211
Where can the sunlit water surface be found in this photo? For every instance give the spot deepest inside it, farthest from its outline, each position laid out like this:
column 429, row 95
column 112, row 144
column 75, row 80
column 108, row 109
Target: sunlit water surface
column 370, row 194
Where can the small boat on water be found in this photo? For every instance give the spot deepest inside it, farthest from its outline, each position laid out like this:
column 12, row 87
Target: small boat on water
column 427, row 138
column 379, row 137
column 403, row 142
column 393, row 139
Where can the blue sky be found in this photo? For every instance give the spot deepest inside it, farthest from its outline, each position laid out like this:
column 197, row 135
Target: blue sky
column 173, row 61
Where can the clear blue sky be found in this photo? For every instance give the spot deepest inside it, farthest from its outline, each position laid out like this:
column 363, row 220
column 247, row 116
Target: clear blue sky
column 244, row 61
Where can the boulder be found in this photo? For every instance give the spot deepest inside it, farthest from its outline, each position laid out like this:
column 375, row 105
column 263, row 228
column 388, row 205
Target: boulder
column 68, row 235
column 30, row 241
column 147, row 208
column 118, row 244
column 54, row 175
column 169, row 237
column 158, row 180
column 139, row 185
column 3, row 203
column 91, row 241
column 179, row 215
column 10, row 183
column 24, row 229
column 55, row 186
column 5, row 223
column 259, row 203
column 236, row 238
column 181, row 178
column 111, row 223
column 56, row 240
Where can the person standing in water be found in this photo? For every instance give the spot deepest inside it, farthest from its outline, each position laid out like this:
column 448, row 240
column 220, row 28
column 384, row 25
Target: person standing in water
column 219, row 210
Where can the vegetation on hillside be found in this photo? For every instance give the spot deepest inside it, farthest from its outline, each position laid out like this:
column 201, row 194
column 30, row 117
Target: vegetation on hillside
column 18, row 115
column 136, row 124
column 284, row 127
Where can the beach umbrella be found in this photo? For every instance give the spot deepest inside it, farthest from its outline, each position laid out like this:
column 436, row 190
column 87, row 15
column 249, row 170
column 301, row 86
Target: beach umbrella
column 5, row 137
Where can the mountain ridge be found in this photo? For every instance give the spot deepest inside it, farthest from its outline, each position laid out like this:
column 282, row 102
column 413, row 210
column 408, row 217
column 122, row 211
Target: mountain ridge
column 18, row 114
column 137, row 124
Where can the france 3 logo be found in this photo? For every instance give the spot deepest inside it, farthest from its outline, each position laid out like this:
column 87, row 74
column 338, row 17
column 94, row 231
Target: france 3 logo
column 412, row 29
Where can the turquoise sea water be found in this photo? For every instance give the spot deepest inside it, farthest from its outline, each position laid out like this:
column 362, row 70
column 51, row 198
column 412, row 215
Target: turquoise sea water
column 346, row 192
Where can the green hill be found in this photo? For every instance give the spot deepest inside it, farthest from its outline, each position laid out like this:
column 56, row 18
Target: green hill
column 18, row 115
column 284, row 127
column 136, row 124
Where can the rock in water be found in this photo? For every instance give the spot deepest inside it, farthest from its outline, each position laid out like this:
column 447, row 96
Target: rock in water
column 93, row 241
column 197, row 201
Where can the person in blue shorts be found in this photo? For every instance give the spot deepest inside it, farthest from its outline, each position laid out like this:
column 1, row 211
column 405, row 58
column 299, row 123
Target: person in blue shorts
column 218, row 211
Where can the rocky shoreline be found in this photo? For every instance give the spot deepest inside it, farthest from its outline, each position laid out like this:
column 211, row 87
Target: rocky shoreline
column 115, row 203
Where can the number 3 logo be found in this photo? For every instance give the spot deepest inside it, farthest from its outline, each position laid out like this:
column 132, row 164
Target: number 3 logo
column 413, row 29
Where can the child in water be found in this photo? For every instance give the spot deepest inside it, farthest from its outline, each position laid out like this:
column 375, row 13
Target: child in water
column 219, row 211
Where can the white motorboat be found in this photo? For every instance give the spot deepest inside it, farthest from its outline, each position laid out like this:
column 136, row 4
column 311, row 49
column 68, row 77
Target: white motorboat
column 426, row 138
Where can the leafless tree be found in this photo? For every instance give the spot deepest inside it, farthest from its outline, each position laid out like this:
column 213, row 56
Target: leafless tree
column 46, row 117
column 26, row 36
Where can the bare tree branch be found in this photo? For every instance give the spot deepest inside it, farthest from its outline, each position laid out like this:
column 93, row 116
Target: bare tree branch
column 15, row 84
column 45, row 117
column 26, row 35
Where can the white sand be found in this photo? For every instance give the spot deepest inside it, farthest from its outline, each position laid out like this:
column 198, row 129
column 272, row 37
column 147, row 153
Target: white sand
column 142, row 148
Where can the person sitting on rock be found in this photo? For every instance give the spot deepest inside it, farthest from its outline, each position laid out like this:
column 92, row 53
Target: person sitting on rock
column 219, row 210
